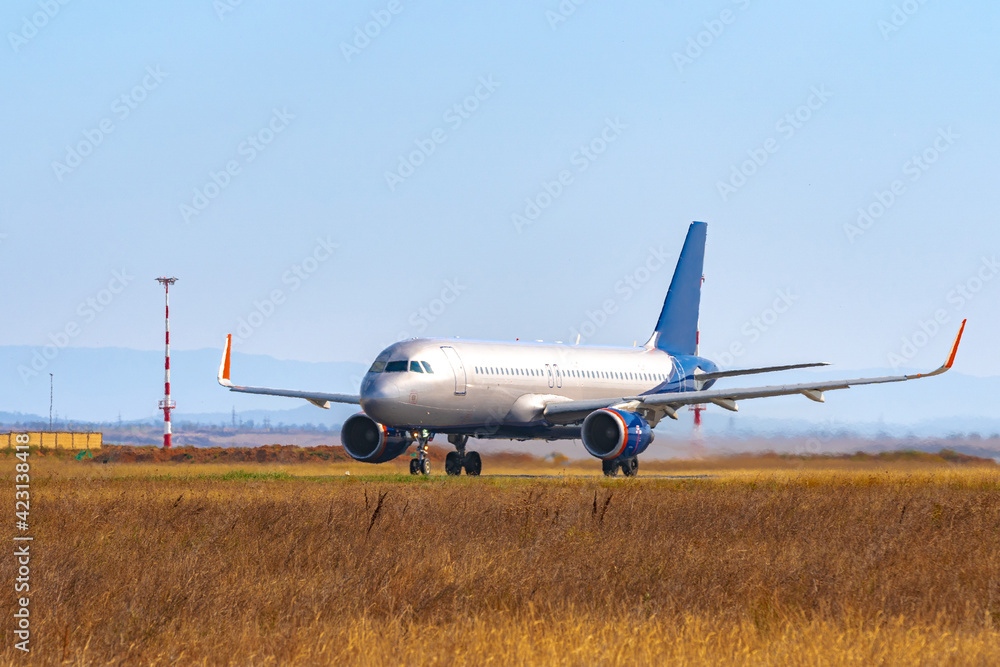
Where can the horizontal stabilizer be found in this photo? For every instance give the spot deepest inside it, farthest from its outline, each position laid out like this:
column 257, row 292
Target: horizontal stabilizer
column 754, row 371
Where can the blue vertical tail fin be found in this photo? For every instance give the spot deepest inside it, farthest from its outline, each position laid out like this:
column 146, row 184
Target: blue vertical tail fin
column 676, row 330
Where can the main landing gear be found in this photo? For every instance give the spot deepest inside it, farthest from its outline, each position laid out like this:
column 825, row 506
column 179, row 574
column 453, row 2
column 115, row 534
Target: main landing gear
column 628, row 465
column 455, row 461
column 422, row 464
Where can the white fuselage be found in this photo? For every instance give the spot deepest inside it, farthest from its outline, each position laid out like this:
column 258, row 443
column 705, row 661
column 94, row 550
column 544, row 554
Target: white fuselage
column 488, row 384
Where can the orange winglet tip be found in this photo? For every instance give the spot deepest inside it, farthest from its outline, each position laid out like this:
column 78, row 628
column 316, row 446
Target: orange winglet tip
column 954, row 348
column 225, row 364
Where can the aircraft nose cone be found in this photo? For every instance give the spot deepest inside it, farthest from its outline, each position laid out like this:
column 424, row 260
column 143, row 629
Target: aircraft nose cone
column 378, row 397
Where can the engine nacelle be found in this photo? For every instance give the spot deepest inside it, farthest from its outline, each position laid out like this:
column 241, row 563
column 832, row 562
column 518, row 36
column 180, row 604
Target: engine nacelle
column 367, row 440
column 610, row 434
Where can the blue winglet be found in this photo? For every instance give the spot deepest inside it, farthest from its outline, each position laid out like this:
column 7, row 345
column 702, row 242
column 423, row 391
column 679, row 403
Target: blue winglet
column 677, row 328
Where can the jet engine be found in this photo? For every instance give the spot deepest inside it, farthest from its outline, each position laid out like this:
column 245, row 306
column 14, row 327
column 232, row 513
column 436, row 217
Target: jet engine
column 367, row 440
column 611, row 434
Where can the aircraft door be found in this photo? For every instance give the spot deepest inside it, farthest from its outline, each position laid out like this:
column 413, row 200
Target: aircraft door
column 458, row 367
column 548, row 371
column 558, row 375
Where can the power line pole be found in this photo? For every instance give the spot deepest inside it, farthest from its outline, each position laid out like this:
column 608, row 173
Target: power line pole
column 50, row 401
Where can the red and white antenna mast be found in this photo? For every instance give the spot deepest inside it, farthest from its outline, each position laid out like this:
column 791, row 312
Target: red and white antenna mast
column 166, row 404
column 697, row 409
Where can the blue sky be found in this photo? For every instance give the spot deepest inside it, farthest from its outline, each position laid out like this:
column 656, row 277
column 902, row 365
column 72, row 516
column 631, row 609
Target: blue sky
column 276, row 125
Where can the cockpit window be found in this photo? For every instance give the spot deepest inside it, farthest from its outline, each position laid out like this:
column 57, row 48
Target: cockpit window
column 396, row 366
column 379, row 364
column 415, row 367
column 427, row 367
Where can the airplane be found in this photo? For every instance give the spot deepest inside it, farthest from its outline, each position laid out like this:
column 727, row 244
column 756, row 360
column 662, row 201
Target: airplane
column 611, row 398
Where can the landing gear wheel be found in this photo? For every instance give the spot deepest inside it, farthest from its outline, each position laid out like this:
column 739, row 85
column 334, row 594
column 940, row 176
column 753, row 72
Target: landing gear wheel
column 610, row 468
column 422, row 464
column 630, row 466
column 453, row 463
column 473, row 464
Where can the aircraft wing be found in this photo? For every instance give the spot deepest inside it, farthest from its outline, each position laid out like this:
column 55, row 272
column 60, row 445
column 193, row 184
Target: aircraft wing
column 571, row 411
column 318, row 399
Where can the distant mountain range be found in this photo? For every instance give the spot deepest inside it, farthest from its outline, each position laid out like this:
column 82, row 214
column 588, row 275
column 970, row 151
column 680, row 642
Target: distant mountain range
column 101, row 384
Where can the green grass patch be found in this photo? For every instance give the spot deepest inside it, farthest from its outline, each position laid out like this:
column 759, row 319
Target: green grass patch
column 229, row 476
column 250, row 476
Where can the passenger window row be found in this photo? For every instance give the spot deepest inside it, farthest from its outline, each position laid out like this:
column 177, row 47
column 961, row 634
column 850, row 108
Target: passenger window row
column 414, row 366
column 537, row 372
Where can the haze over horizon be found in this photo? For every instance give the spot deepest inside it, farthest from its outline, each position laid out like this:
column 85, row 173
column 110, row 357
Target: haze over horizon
column 101, row 385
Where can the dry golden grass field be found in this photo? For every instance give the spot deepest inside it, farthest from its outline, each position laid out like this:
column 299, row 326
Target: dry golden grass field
column 760, row 561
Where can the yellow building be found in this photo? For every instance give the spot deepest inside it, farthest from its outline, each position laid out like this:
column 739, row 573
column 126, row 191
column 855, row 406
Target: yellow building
column 54, row 439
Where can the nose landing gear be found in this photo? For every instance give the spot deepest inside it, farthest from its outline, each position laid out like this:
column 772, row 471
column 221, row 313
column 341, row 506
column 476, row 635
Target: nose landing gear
column 455, row 461
column 422, row 464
